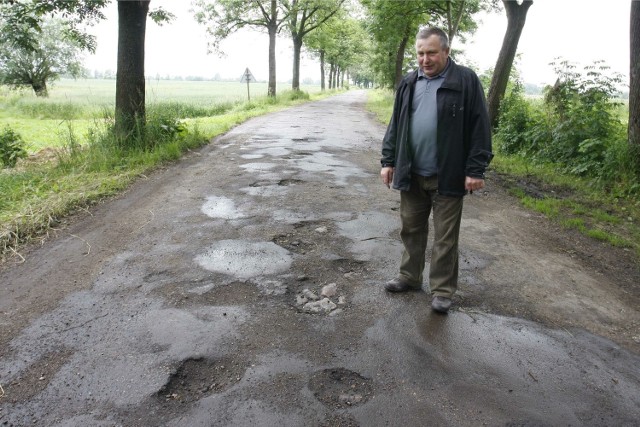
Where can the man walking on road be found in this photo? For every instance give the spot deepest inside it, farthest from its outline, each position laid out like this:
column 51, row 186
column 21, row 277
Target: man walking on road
column 436, row 148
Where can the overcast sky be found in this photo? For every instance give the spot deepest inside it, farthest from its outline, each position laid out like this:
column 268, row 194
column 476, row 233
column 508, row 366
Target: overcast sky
column 580, row 31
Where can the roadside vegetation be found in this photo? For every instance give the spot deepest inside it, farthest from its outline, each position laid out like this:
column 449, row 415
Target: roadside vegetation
column 566, row 155
column 60, row 155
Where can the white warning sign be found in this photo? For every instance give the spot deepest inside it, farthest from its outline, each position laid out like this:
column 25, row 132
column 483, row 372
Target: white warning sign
column 247, row 77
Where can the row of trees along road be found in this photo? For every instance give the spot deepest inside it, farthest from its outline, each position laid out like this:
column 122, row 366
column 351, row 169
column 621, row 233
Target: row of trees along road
column 370, row 39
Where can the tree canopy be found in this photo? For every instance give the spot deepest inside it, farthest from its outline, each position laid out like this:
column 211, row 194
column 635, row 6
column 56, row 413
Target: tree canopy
column 341, row 44
column 21, row 20
column 394, row 24
column 303, row 17
column 52, row 54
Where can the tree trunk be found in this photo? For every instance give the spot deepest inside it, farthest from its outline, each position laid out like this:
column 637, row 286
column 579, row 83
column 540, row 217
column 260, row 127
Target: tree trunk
column 634, row 78
column 297, row 48
column 400, row 60
column 322, row 87
column 40, row 89
column 516, row 17
column 453, row 21
column 272, row 29
column 331, row 68
column 130, row 82
column 271, row 90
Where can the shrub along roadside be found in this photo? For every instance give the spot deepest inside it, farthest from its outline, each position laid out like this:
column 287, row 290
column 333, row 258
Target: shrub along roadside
column 604, row 206
column 36, row 195
column 12, row 148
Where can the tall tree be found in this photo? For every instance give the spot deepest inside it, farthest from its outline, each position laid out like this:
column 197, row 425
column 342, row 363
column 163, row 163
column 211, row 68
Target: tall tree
column 634, row 75
column 52, row 54
column 18, row 16
column 224, row 17
column 130, row 81
column 304, row 16
column 338, row 42
column 395, row 23
column 516, row 17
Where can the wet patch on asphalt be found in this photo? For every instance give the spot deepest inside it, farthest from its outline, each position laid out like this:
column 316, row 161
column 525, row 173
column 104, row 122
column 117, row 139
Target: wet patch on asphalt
column 283, row 389
column 340, row 388
column 245, row 259
column 221, row 207
column 371, row 234
column 35, row 378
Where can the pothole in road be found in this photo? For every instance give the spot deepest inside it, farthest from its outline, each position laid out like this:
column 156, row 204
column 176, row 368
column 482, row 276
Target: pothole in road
column 293, row 244
column 341, row 420
column 182, row 295
column 305, row 237
column 288, row 182
column 282, row 183
column 200, row 377
column 340, row 387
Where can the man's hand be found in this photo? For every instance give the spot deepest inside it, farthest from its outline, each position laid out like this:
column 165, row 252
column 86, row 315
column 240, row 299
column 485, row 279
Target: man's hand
column 386, row 174
column 472, row 184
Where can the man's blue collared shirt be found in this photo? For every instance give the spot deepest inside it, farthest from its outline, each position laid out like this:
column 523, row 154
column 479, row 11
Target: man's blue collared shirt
column 423, row 126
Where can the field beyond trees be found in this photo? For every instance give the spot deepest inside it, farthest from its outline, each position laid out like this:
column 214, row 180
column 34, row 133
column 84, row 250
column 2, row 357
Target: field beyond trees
column 78, row 104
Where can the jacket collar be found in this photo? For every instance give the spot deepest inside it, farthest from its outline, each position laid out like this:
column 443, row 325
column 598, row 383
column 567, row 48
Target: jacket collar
column 452, row 80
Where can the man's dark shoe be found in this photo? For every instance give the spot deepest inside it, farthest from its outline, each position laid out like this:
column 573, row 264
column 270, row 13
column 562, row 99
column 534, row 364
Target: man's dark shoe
column 441, row 304
column 397, row 285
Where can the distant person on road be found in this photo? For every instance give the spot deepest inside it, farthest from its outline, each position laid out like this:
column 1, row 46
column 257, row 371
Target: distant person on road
column 436, row 149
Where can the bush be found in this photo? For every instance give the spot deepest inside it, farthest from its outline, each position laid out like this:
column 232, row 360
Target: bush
column 585, row 122
column 294, row 95
column 514, row 124
column 576, row 127
column 11, row 147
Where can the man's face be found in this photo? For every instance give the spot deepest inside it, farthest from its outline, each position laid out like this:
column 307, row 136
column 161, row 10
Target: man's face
column 432, row 58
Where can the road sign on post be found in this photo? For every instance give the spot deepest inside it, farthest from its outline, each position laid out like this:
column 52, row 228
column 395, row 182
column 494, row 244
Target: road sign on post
column 247, row 77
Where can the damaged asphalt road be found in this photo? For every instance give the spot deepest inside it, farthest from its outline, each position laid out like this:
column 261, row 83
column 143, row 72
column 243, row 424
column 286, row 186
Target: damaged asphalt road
column 242, row 286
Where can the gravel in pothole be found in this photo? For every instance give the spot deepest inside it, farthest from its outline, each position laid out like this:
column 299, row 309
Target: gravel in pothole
column 340, row 387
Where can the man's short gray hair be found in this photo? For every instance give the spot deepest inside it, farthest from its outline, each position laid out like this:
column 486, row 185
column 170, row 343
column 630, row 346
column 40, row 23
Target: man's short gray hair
column 426, row 32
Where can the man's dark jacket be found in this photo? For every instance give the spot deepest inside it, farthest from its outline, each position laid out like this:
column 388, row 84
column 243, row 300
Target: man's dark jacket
column 464, row 131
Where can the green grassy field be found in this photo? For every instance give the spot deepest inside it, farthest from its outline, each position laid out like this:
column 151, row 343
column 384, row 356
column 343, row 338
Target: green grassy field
column 77, row 104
